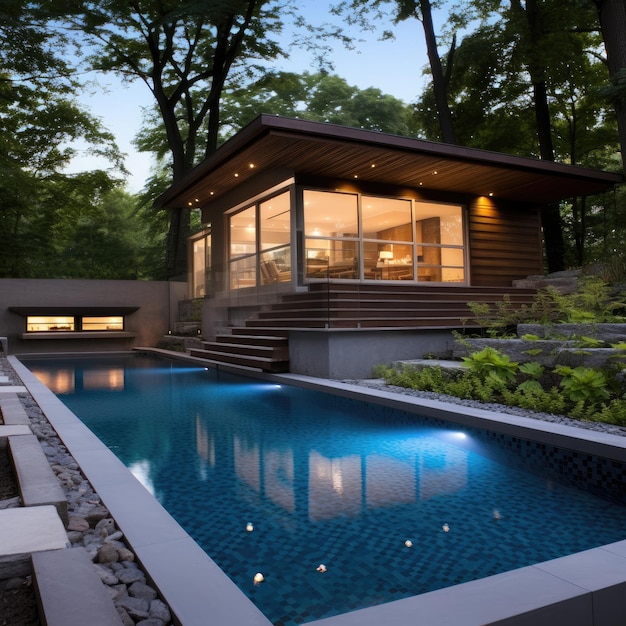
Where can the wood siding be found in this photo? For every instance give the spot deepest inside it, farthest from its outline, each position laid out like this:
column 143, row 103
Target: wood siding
column 504, row 243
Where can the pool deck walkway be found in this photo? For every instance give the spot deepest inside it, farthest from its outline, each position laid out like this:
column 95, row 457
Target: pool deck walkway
column 584, row 589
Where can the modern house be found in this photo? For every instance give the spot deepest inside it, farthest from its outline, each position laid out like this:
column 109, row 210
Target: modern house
column 332, row 237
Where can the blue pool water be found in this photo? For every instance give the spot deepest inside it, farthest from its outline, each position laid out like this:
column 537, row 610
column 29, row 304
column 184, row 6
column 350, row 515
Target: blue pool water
column 327, row 480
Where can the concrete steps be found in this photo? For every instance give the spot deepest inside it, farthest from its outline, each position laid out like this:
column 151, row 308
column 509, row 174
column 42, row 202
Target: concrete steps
column 262, row 344
column 265, row 352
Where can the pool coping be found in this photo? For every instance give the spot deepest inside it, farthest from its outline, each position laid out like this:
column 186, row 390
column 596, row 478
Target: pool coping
column 580, row 589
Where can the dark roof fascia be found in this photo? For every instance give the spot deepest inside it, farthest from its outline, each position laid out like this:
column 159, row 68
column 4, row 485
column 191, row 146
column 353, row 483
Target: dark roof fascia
column 265, row 124
column 74, row 310
column 235, row 144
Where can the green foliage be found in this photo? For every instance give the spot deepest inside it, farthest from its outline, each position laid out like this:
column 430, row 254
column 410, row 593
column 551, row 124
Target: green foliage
column 535, row 398
column 588, row 342
column 583, row 383
column 319, row 97
column 613, row 413
column 532, row 369
column 580, row 392
column 594, row 302
column 490, row 362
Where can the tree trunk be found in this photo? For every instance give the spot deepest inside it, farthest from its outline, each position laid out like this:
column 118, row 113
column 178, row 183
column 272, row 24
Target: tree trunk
column 550, row 214
column 439, row 83
column 612, row 14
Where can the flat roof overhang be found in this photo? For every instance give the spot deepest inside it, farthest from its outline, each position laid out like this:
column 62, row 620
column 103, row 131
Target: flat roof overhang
column 74, row 310
column 339, row 152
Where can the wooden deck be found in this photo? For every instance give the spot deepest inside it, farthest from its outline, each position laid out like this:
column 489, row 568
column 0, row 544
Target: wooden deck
column 263, row 342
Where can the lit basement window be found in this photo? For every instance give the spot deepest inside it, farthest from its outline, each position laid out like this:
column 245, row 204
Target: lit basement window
column 49, row 323
column 110, row 322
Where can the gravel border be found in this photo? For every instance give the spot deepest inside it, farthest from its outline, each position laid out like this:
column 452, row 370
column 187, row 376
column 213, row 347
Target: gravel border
column 92, row 528
column 380, row 385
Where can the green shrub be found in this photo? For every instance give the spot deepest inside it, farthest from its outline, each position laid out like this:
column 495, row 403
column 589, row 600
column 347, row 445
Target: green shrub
column 613, row 413
column 536, row 399
column 493, row 363
column 583, row 383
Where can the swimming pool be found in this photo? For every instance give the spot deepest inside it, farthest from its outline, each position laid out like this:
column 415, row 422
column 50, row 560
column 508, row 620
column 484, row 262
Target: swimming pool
column 326, row 480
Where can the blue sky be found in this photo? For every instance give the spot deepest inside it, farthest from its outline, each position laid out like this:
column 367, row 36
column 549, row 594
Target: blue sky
column 393, row 66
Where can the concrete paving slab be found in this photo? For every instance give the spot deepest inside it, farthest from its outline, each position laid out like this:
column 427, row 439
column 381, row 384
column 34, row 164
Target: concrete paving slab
column 36, row 481
column 12, row 410
column 12, row 389
column 31, row 529
column 14, row 429
column 75, row 598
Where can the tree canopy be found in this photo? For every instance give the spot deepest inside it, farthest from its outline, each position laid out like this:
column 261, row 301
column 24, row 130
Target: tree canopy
column 542, row 78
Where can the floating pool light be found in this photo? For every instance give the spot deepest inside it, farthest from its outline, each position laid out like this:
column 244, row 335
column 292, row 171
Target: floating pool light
column 321, row 568
column 258, row 578
column 408, row 543
column 249, row 527
column 446, row 528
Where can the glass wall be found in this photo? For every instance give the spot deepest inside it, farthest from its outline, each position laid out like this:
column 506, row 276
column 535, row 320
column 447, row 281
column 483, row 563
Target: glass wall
column 353, row 236
column 275, row 239
column 260, row 243
column 200, row 264
column 331, row 226
column 347, row 236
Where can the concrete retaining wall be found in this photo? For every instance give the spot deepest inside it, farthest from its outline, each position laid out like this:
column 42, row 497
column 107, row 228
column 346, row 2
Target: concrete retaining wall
column 156, row 313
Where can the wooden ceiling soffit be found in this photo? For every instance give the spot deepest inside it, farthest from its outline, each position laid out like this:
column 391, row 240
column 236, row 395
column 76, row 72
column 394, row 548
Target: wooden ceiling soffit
column 343, row 153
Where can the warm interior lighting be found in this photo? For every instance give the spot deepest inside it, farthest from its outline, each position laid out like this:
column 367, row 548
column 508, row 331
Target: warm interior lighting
column 46, row 323
column 491, row 194
column 386, row 255
column 251, row 166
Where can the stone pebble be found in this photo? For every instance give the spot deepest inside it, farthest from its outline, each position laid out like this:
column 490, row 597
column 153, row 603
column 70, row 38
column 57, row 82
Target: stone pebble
column 92, row 528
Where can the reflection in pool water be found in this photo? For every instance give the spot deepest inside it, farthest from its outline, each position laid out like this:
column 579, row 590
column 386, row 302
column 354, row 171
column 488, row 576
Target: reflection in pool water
column 282, row 481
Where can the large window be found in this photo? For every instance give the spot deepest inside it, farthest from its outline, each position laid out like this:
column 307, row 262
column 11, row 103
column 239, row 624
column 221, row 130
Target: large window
column 200, row 264
column 387, row 238
column 367, row 237
column 260, row 243
column 439, row 236
column 332, row 234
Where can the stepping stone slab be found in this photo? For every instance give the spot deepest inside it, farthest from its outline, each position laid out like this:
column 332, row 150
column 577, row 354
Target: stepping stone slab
column 70, row 592
column 12, row 389
column 25, row 530
column 37, row 483
column 12, row 410
column 9, row 431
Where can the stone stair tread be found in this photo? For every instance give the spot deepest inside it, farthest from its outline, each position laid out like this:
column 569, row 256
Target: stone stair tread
column 260, row 359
